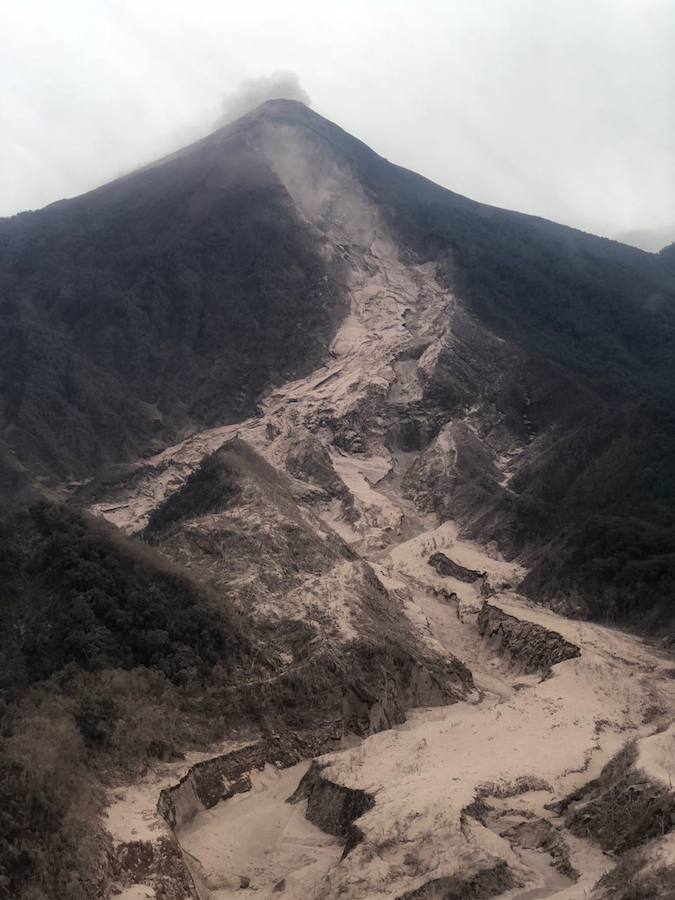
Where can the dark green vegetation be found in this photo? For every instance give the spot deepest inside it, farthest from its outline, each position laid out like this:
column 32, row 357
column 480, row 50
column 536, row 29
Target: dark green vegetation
column 162, row 302
column 110, row 658
column 208, row 489
column 75, row 593
column 620, row 568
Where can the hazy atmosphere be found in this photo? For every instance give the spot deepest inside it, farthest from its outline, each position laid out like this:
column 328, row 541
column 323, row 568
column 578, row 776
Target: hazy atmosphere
column 562, row 109
column 337, row 472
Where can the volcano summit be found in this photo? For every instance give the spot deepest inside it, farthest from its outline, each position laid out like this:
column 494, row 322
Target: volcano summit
column 326, row 484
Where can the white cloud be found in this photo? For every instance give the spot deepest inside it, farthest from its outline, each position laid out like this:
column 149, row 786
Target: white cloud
column 564, row 109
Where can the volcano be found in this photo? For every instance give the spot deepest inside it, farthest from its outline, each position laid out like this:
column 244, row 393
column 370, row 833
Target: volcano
column 345, row 483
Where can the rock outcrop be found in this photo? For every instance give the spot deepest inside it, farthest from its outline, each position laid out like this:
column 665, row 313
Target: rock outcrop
column 219, row 778
column 158, row 864
column 621, row 809
column 308, row 459
column 529, row 647
column 542, row 836
column 333, row 807
column 448, row 567
column 486, row 883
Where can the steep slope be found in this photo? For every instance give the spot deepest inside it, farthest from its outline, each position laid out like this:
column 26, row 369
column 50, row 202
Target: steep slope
column 578, row 398
column 106, row 654
column 385, row 368
column 507, row 372
column 161, row 302
column 573, row 413
column 76, row 593
column 342, row 646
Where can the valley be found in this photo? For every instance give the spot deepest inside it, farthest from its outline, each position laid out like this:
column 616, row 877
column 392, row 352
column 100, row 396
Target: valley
column 461, row 790
column 463, row 798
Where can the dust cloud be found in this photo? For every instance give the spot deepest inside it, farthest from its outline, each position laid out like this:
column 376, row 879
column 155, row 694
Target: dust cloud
column 254, row 91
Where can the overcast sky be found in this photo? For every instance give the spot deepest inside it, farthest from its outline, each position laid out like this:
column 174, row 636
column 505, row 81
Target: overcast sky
column 563, row 108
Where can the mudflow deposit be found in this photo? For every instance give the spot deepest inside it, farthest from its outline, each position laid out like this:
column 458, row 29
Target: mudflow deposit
column 399, row 518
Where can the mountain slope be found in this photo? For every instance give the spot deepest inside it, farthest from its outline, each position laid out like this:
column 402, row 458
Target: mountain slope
column 106, row 653
column 518, row 374
column 174, row 298
column 160, row 302
column 298, row 376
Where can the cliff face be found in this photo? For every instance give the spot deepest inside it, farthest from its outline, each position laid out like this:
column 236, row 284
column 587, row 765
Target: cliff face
column 220, row 777
column 528, row 646
column 159, row 865
column 489, row 882
column 333, row 807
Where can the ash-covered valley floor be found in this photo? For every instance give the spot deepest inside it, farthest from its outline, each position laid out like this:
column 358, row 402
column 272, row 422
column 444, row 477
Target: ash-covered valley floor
column 470, row 796
column 463, row 794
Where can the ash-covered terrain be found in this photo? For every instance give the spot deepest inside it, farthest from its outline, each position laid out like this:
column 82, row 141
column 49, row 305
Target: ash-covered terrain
column 349, row 486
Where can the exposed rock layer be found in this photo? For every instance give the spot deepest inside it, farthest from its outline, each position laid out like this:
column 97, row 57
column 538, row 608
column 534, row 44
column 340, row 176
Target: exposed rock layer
column 158, row 864
column 333, row 807
column 446, row 566
column 207, row 783
column 529, row 646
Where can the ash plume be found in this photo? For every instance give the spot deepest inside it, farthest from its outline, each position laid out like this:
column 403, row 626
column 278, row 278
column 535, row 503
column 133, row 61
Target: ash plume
column 254, row 91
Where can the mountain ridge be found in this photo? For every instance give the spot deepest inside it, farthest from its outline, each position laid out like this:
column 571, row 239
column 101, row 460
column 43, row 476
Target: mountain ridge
column 297, row 378
column 178, row 297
